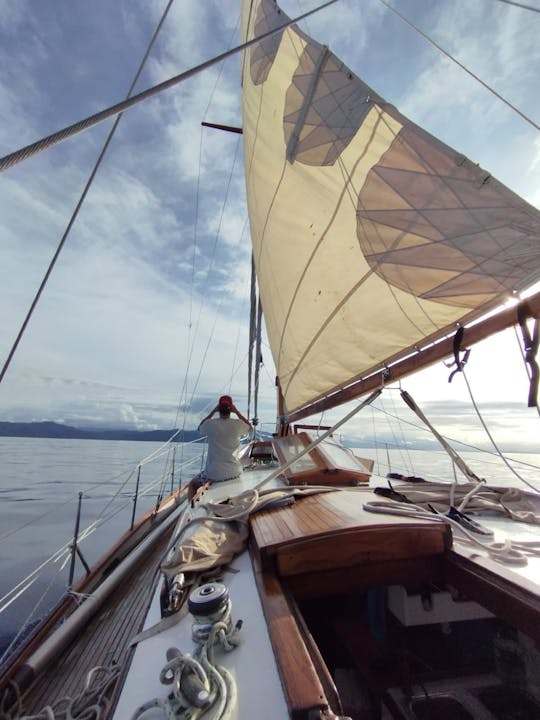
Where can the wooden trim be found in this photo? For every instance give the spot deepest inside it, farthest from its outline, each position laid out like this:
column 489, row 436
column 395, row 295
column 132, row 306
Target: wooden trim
column 99, row 571
column 422, row 358
column 301, row 684
column 497, row 592
column 358, row 547
column 358, row 578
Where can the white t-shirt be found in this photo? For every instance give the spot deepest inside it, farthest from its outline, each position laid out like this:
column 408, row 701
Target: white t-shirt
column 223, row 439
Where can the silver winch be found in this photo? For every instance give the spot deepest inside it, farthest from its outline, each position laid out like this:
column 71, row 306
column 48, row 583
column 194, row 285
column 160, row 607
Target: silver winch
column 209, row 604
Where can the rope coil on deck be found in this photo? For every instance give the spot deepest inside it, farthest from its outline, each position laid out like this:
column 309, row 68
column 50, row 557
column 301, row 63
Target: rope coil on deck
column 91, row 704
column 199, row 684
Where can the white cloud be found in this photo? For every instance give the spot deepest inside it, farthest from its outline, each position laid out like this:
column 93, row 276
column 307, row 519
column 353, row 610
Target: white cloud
column 112, row 330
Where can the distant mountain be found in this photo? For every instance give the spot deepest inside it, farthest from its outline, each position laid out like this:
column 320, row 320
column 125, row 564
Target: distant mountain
column 59, row 430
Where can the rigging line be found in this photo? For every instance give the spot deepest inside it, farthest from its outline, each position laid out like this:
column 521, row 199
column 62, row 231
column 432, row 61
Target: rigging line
column 212, row 256
column 525, row 364
column 32, row 612
column 210, row 266
column 453, row 440
column 26, row 152
column 81, row 198
column 61, row 505
column 402, row 446
column 191, row 340
column 144, row 491
column 490, row 436
column 520, row 5
column 463, row 67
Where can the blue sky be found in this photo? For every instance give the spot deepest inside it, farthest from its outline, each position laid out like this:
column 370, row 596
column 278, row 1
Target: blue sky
column 147, row 307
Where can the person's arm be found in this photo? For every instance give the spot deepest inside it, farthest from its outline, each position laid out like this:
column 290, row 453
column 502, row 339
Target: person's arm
column 241, row 417
column 207, row 417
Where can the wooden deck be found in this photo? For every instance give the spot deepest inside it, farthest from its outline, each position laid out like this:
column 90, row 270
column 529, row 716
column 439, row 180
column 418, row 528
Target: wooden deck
column 322, row 545
column 104, row 641
column 331, row 530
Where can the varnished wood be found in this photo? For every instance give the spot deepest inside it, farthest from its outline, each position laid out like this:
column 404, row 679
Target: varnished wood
column 358, row 578
column 301, row 684
column 324, row 470
column 497, row 592
column 332, row 530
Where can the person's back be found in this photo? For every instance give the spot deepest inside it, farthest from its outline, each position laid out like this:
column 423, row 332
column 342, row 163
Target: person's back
column 224, row 434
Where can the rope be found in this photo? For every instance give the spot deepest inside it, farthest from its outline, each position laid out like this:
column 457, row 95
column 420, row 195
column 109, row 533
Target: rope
column 199, row 683
column 490, row 436
column 509, row 552
column 450, row 439
column 463, row 67
column 92, row 702
column 456, row 459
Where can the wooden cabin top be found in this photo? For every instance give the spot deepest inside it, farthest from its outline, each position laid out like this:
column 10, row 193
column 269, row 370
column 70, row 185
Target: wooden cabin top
column 332, row 530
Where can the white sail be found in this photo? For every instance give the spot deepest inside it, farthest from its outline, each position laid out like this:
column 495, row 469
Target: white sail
column 370, row 236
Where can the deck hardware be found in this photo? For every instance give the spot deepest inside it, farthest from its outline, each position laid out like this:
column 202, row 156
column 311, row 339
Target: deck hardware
column 135, row 498
column 75, row 550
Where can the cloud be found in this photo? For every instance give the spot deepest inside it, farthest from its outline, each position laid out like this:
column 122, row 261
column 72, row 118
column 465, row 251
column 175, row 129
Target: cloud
column 149, row 299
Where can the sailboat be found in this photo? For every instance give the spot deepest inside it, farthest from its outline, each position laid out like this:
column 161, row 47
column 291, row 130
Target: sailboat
column 305, row 588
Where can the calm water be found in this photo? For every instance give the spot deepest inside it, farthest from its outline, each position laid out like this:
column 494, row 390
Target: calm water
column 40, row 480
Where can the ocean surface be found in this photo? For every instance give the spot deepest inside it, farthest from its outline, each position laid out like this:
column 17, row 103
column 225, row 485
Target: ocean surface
column 40, row 482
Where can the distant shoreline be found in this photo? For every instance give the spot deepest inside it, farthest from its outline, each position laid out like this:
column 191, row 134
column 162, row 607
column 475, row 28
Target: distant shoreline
column 68, row 432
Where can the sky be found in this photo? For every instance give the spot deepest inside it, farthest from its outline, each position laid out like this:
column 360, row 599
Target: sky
column 144, row 320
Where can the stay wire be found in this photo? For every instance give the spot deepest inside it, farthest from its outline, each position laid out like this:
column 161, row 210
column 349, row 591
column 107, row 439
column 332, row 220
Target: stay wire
column 459, row 64
column 81, row 200
column 23, row 153
column 492, row 439
column 520, row 5
column 453, row 440
column 191, row 338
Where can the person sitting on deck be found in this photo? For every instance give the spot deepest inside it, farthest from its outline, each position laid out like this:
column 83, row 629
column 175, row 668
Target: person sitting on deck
column 223, row 435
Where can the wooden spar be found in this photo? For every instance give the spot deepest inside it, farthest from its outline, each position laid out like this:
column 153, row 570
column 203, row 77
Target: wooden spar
column 226, row 128
column 421, row 359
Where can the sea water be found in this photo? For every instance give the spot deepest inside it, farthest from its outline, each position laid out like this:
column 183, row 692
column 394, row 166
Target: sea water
column 40, row 482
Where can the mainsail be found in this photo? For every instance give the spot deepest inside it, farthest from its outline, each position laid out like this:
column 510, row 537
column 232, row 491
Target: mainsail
column 370, row 236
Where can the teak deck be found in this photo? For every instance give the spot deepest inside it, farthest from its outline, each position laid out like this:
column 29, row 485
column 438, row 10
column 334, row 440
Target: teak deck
column 331, row 530
column 120, row 617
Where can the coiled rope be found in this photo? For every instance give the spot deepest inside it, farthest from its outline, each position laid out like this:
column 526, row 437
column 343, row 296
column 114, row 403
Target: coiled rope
column 199, row 683
column 91, row 704
column 508, row 552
